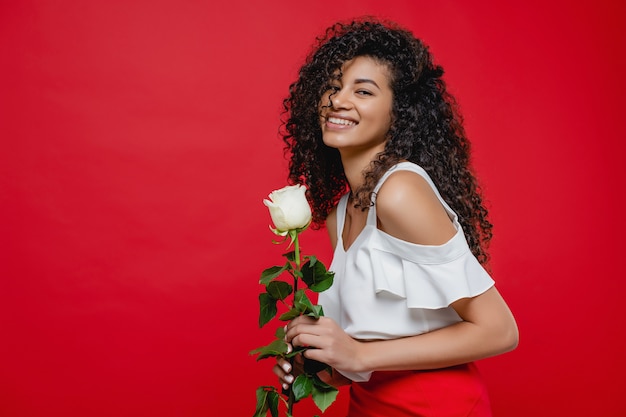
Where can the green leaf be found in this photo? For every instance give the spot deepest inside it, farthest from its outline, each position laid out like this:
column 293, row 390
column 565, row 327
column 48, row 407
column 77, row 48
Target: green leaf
column 323, row 282
column 272, row 273
column 315, row 275
column 279, row 290
column 272, row 400
column 302, row 387
column 262, row 404
column 323, row 397
column 280, row 333
column 317, row 312
column 290, row 315
column 321, row 385
column 277, row 348
column 308, row 273
column 302, row 302
column 268, row 309
column 291, row 256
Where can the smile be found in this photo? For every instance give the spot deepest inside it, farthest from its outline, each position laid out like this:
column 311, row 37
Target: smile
column 339, row 121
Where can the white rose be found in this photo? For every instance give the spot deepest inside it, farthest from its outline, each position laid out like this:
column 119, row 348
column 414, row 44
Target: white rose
column 289, row 208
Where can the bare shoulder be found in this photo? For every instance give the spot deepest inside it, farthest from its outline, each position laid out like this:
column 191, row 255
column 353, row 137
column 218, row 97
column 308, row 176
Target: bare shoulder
column 408, row 208
column 404, row 187
column 331, row 226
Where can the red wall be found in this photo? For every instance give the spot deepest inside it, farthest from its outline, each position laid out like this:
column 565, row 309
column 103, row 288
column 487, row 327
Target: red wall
column 139, row 138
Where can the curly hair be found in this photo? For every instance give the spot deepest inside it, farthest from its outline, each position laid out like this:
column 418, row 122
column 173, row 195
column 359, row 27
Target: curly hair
column 426, row 125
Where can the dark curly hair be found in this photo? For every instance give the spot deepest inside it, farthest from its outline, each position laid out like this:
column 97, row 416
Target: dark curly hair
column 426, row 126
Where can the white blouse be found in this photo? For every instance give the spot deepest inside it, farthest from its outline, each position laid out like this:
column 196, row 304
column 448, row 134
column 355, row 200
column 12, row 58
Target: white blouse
column 387, row 288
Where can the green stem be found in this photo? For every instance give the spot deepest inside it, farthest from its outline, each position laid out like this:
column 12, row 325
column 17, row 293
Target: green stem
column 296, row 243
column 290, row 402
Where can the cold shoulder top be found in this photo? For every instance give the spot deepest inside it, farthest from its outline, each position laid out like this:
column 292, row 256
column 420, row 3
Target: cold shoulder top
column 387, row 288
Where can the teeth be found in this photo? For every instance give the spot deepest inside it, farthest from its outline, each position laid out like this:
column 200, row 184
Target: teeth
column 339, row 121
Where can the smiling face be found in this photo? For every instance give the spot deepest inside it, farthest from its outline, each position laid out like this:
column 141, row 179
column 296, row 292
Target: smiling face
column 356, row 109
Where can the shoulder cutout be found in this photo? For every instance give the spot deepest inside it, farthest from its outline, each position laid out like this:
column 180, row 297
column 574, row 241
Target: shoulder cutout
column 408, row 208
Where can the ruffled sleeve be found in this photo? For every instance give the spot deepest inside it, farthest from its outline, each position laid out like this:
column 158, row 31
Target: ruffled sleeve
column 428, row 277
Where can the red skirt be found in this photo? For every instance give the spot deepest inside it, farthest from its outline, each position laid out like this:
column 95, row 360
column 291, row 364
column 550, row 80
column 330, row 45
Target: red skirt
column 457, row 391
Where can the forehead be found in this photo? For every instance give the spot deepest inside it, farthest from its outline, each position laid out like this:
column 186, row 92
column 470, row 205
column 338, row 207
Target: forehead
column 364, row 67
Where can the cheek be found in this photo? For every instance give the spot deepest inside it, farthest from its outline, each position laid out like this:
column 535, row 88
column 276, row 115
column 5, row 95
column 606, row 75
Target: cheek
column 384, row 120
column 388, row 116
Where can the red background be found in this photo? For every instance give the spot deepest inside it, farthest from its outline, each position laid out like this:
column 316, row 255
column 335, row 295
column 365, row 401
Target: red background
column 139, row 139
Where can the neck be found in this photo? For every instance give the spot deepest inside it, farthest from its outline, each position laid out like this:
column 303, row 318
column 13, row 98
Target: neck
column 355, row 164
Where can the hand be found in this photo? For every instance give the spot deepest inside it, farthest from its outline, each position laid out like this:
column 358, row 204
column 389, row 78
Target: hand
column 328, row 342
column 287, row 372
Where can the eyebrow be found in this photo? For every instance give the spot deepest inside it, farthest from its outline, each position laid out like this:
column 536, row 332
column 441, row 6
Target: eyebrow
column 366, row 81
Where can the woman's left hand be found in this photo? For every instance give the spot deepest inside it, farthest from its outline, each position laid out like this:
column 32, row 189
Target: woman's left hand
column 328, row 342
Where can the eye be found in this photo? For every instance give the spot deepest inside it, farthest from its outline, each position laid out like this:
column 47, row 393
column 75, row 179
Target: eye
column 364, row 93
column 332, row 88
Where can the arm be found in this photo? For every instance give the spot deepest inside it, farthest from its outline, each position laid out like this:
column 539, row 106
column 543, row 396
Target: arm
column 407, row 208
column 487, row 329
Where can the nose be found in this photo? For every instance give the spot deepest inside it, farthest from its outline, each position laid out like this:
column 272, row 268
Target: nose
column 339, row 99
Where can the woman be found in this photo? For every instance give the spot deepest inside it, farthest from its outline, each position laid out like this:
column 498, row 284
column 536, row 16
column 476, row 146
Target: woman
column 377, row 140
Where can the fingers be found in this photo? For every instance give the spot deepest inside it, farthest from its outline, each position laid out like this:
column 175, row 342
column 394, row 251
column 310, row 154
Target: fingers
column 302, row 320
column 307, row 340
column 312, row 353
column 286, row 371
column 304, row 325
column 325, row 341
column 301, row 331
column 309, row 332
column 283, row 369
